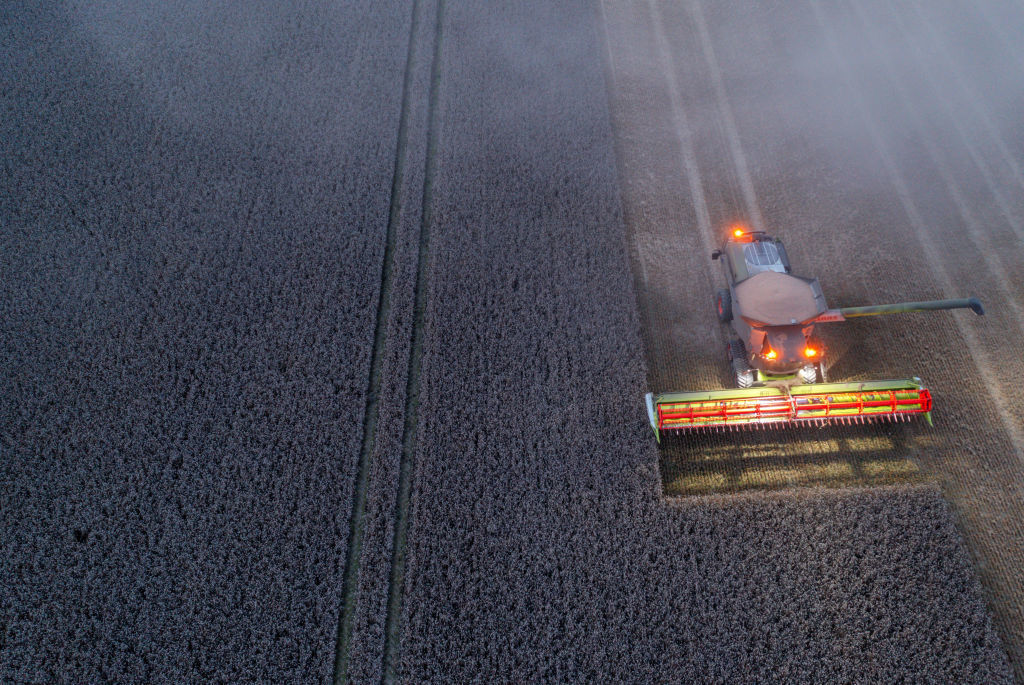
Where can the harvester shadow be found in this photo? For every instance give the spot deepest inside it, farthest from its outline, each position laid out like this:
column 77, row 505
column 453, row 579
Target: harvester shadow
column 834, row 456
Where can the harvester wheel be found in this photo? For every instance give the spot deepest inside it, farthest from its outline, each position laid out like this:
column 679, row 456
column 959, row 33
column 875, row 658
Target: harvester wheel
column 809, row 374
column 723, row 303
column 738, row 358
column 737, row 351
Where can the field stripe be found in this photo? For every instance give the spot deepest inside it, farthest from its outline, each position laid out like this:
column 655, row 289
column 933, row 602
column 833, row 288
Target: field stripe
column 392, row 628
column 731, row 131
column 997, row 29
column 684, row 135
column 942, row 96
column 977, row 235
column 990, row 378
column 682, row 129
column 355, row 539
column 952, row 71
column 638, row 255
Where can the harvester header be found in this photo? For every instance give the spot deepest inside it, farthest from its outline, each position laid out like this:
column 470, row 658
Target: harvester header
column 761, row 407
column 778, row 362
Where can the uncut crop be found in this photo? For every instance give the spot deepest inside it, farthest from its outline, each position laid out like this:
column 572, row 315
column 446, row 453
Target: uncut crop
column 193, row 206
column 539, row 547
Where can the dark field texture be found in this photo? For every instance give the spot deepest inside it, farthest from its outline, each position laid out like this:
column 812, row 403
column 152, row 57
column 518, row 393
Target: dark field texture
column 274, row 281
column 540, row 548
column 193, row 208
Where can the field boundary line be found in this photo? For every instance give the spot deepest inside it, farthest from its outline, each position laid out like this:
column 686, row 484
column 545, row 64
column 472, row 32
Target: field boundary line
column 637, row 264
column 350, row 583
column 977, row 236
column 392, row 626
column 728, row 119
column 611, row 87
column 989, row 377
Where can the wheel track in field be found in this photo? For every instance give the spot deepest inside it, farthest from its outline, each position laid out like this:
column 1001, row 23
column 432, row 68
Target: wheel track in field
column 355, row 541
column 368, row 633
column 392, row 629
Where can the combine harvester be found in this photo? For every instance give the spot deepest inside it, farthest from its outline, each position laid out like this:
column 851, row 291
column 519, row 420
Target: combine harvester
column 778, row 361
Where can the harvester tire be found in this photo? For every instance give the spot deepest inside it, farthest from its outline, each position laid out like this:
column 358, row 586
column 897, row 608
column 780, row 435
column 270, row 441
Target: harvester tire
column 723, row 303
column 809, row 374
column 738, row 358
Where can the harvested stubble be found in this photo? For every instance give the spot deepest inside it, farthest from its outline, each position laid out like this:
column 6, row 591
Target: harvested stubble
column 539, row 547
column 879, row 194
column 193, row 207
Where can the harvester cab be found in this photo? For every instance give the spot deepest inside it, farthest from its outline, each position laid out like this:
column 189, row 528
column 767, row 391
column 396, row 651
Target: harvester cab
column 778, row 362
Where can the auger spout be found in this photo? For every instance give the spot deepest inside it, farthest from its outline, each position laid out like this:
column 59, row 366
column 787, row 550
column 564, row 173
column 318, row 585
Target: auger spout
column 972, row 303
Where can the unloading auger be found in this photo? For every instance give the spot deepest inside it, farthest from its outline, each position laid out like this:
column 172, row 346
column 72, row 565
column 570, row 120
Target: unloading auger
column 776, row 357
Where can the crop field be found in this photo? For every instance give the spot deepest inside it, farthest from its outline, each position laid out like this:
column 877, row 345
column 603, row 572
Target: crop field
column 325, row 329
column 191, row 258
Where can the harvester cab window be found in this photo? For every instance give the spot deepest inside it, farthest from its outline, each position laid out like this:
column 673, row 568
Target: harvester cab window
column 762, row 256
